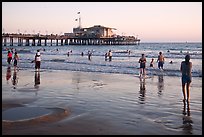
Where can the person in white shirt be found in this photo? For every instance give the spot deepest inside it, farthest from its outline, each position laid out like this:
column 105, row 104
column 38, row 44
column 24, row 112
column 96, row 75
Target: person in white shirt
column 37, row 60
column 110, row 55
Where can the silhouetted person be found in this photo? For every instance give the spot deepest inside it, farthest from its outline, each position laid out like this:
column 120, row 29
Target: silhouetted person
column 186, row 68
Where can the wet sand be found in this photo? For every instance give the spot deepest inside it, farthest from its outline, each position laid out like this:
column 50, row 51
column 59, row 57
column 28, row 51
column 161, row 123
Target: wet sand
column 101, row 104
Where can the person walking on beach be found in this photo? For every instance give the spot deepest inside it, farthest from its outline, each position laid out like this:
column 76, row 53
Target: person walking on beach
column 37, row 59
column 142, row 62
column 16, row 58
column 186, row 68
column 9, row 57
column 160, row 60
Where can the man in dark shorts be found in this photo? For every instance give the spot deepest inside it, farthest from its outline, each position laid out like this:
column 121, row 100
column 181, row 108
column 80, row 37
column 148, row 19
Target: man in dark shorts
column 160, row 60
column 142, row 62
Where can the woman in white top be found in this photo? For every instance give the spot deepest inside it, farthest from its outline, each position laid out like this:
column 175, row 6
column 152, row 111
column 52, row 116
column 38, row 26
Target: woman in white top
column 37, row 60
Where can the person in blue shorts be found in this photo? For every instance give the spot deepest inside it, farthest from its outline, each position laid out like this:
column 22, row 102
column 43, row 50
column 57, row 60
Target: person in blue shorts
column 160, row 60
column 186, row 68
column 142, row 62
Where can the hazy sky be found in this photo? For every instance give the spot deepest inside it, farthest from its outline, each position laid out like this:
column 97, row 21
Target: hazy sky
column 151, row 21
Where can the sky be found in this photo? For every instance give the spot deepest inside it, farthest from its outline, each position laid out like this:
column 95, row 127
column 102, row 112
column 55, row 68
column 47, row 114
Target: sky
column 149, row 21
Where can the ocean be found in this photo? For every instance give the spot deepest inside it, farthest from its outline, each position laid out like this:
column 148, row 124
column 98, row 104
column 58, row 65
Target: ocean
column 55, row 57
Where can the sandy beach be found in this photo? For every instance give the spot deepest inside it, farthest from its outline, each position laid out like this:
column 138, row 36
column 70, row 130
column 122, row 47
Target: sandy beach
column 99, row 103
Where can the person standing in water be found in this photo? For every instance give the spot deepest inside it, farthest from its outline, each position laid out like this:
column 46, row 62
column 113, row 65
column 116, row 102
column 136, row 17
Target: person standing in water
column 186, row 68
column 142, row 62
column 110, row 55
column 89, row 55
column 16, row 58
column 9, row 57
column 160, row 60
column 37, row 60
column 151, row 63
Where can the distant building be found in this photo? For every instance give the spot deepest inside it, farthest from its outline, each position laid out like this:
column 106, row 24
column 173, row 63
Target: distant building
column 97, row 31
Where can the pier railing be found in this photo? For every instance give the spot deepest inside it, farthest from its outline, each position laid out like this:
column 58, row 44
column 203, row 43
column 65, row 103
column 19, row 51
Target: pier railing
column 40, row 40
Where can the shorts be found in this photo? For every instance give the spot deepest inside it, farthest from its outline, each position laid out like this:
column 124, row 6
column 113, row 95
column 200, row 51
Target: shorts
column 185, row 79
column 142, row 65
column 160, row 64
column 15, row 62
column 9, row 60
column 37, row 64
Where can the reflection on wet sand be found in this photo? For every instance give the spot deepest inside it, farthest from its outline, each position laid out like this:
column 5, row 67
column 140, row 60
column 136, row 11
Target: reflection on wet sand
column 142, row 90
column 8, row 73
column 187, row 121
column 76, row 80
column 15, row 78
column 160, row 85
column 37, row 79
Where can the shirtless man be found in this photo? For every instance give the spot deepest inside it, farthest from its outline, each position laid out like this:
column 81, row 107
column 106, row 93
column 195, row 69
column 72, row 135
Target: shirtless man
column 142, row 62
column 160, row 60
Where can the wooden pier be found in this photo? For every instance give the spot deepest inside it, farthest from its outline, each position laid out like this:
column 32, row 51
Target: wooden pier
column 42, row 40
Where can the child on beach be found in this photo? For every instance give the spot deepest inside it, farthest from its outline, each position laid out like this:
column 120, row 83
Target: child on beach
column 186, row 67
column 142, row 62
column 151, row 63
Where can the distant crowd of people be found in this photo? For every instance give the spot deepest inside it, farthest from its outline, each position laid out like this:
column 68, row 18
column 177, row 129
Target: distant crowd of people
column 185, row 68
